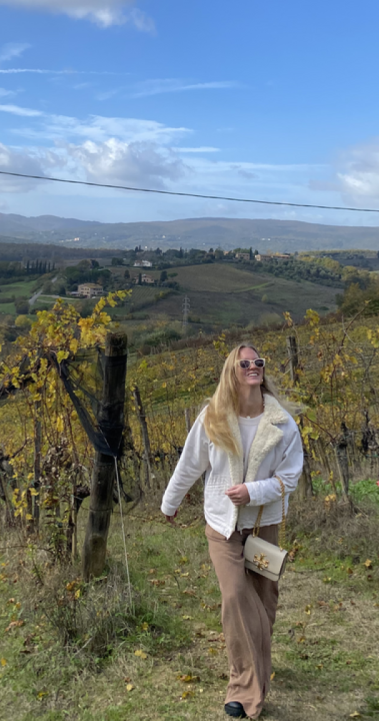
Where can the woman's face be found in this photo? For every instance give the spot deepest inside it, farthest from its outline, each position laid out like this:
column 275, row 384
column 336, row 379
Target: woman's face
column 252, row 376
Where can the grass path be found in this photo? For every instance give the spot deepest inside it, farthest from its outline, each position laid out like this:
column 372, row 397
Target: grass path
column 325, row 658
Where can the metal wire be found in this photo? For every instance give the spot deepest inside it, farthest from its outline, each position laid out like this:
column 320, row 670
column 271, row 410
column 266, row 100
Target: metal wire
column 190, row 195
column 124, row 537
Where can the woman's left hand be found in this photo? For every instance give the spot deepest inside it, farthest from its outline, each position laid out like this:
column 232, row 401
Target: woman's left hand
column 239, row 495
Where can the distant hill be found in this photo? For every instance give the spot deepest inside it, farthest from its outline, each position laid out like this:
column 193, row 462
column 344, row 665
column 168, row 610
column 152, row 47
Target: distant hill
column 227, row 233
column 22, row 226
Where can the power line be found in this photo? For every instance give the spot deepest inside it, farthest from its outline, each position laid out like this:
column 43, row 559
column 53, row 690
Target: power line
column 191, row 195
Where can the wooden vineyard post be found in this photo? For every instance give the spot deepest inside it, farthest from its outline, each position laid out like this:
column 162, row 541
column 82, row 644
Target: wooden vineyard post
column 343, row 460
column 305, row 488
column 37, row 460
column 293, row 356
column 145, row 434
column 187, row 419
column 110, row 418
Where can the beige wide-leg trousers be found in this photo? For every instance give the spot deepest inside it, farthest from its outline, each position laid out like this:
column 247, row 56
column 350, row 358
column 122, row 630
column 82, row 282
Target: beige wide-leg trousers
column 249, row 603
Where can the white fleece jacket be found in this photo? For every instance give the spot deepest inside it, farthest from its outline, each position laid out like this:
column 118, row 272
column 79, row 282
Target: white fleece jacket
column 276, row 450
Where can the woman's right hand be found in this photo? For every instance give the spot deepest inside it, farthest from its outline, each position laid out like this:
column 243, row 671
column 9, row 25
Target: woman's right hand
column 170, row 519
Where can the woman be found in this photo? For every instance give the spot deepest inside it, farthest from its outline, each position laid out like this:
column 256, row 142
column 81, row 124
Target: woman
column 242, row 440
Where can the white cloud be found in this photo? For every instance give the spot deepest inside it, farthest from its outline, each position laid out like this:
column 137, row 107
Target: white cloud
column 358, row 173
column 99, row 128
column 142, row 21
column 121, row 151
column 175, row 85
column 103, row 12
column 44, row 71
column 16, row 110
column 23, row 160
column 12, row 50
column 16, row 71
column 6, row 93
column 201, row 149
column 122, row 163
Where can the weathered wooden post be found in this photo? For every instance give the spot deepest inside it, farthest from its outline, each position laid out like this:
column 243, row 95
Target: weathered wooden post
column 343, row 460
column 37, row 460
column 293, row 356
column 110, row 419
column 305, row 488
column 187, row 419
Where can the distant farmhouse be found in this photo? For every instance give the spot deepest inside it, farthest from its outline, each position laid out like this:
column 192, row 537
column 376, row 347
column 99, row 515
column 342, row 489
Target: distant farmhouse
column 243, row 256
column 90, row 290
column 143, row 264
column 145, row 279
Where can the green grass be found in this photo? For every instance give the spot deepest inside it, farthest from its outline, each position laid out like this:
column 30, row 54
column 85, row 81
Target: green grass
column 22, row 288
column 76, row 658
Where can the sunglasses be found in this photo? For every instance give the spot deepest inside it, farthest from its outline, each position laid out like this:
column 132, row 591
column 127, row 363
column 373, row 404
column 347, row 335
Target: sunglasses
column 246, row 363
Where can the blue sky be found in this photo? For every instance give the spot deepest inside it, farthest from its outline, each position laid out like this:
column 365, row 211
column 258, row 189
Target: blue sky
column 266, row 100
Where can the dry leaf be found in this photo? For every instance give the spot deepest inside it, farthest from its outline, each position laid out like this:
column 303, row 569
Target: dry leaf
column 212, row 651
column 129, row 687
column 188, row 678
column 70, row 586
column 3, row 662
column 187, row 694
column 272, row 676
column 15, row 624
column 368, row 563
column 187, row 618
column 356, row 714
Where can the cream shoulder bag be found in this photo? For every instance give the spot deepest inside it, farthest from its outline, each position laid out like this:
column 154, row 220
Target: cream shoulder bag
column 263, row 557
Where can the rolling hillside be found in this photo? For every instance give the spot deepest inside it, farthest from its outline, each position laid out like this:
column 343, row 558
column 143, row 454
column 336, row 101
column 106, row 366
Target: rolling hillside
column 224, row 295
column 277, row 235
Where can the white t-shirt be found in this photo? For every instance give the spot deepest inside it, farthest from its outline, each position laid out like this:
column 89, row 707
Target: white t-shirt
column 248, row 428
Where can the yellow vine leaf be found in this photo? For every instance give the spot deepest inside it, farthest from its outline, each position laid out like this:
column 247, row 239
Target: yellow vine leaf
column 141, row 654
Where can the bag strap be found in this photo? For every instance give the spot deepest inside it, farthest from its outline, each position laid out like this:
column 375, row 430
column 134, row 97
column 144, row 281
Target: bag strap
column 282, row 530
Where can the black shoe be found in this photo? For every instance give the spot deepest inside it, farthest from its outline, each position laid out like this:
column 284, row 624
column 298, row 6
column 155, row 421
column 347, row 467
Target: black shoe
column 234, row 708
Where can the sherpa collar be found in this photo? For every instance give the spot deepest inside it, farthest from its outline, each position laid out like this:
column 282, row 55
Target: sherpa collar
column 266, row 438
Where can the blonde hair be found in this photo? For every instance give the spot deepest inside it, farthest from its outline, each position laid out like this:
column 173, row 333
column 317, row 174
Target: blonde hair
column 225, row 400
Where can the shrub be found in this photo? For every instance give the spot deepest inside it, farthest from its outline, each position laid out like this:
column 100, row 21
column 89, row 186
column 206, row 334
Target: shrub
column 22, row 321
column 22, row 306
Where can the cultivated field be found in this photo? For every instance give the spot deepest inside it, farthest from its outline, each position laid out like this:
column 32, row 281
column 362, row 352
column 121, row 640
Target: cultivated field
column 223, row 295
